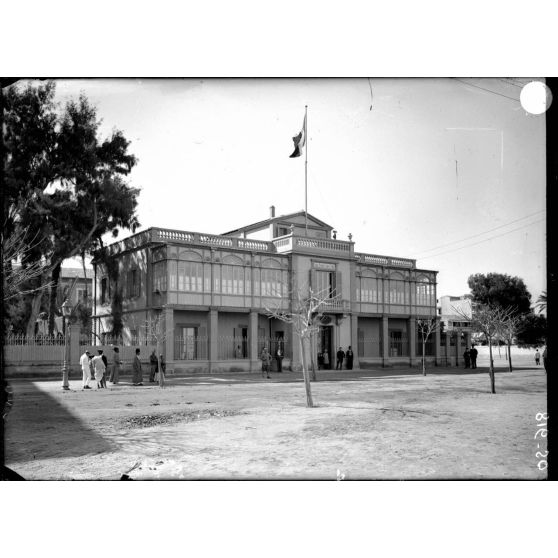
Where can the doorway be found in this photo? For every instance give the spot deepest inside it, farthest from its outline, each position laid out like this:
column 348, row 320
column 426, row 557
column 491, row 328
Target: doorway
column 324, row 347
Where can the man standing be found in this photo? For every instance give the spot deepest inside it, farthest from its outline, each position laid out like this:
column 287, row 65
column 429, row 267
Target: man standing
column 340, row 357
column 99, row 367
column 154, row 366
column 473, row 356
column 84, row 363
column 537, row 357
column 279, row 358
column 115, row 373
column 266, row 362
column 467, row 357
column 349, row 356
column 137, row 378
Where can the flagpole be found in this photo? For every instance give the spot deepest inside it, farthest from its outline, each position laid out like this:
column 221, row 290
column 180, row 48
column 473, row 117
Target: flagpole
column 306, row 169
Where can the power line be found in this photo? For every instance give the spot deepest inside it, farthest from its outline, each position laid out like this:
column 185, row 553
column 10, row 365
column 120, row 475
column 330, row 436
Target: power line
column 487, row 90
column 481, row 241
column 481, row 233
column 510, row 83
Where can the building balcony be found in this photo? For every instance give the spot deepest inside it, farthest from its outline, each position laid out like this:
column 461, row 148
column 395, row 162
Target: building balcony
column 385, row 260
column 335, row 306
column 315, row 246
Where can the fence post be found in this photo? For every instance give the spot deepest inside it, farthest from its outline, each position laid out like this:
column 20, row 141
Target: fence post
column 74, row 346
column 412, row 335
column 437, row 342
column 253, row 340
column 385, row 342
column 213, row 331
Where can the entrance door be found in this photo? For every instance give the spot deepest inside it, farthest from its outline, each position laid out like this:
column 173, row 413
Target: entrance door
column 324, row 346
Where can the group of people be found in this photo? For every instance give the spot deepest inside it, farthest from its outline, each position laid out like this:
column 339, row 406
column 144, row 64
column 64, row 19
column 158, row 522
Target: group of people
column 342, row 356
column 97, row 368
column 470, row 357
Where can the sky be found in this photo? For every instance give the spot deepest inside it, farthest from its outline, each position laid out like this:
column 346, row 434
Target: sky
column 450, row 172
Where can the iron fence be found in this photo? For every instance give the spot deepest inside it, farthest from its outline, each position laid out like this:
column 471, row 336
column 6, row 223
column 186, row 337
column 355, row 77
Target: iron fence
column 33, row 348
column 191, row 347
column 370, row 347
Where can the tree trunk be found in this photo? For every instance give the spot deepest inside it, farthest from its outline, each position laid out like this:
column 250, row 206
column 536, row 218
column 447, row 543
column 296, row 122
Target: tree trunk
column 85, row 295
column 36, row 306
column 161, row 375
column 53, row 297
column 491, row 368
column 309, row 402
column 509, row 356
column 423, row 358
column 312, row 362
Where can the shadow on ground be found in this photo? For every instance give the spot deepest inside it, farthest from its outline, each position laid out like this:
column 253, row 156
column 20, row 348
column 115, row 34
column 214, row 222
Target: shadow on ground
column 30, row 432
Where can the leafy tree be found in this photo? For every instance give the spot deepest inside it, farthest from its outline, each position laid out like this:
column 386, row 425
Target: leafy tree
column 64, row 183
column 541, row 302
column 500, row 289
column 532, row 330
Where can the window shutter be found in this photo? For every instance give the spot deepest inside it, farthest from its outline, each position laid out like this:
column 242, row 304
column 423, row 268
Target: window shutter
column 337, row 292
column 261, row 340
column 312, row 280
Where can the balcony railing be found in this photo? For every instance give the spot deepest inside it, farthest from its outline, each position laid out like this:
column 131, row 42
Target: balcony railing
column 335, row 304
column 288, row 243
column 293, row 243
column 220, row 241
column 384, row 260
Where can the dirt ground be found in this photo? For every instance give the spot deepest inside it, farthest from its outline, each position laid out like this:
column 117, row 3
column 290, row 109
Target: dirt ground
column 368, row 424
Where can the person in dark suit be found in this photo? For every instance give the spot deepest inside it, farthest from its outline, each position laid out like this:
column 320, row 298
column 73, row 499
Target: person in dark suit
column 349, row 355
column 340, row 357
column 473, row 356
column 467, row 357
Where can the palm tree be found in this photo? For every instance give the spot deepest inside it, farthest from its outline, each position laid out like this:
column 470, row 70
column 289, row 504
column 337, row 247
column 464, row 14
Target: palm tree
column 541, row 303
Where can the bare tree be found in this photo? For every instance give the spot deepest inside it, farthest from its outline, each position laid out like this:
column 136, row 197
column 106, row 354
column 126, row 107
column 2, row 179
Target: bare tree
column 155, row 333
column 18, row 273
column 305, row 318
column 488, row 319
column 508, row 329
column 426, row 327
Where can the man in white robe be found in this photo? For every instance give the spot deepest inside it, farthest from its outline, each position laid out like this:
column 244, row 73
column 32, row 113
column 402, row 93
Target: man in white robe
column 85, row 368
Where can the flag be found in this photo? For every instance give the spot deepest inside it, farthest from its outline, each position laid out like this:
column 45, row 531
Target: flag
column 299, row 141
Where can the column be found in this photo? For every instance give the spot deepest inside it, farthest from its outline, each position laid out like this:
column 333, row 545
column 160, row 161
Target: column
column 354, row 340
column 385, row 342
column 458, row 350
column 437, row 342
column 468, row 339
column 168, row 318
column 253, row 342
column 412, row 340
column 213, row 339
column 448, row 348
column 74, row 345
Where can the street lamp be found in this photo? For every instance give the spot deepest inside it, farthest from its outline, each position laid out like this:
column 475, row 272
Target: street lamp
column 66, row 313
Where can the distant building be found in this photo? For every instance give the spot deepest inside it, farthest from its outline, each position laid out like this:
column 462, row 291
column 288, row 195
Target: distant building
column 212, row 292
column 72, row 286
column 455, row 315
column 451, row 310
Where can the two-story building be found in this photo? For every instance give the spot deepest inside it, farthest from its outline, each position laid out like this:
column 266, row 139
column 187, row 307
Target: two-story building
column 455, row 314
column 214, row 294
